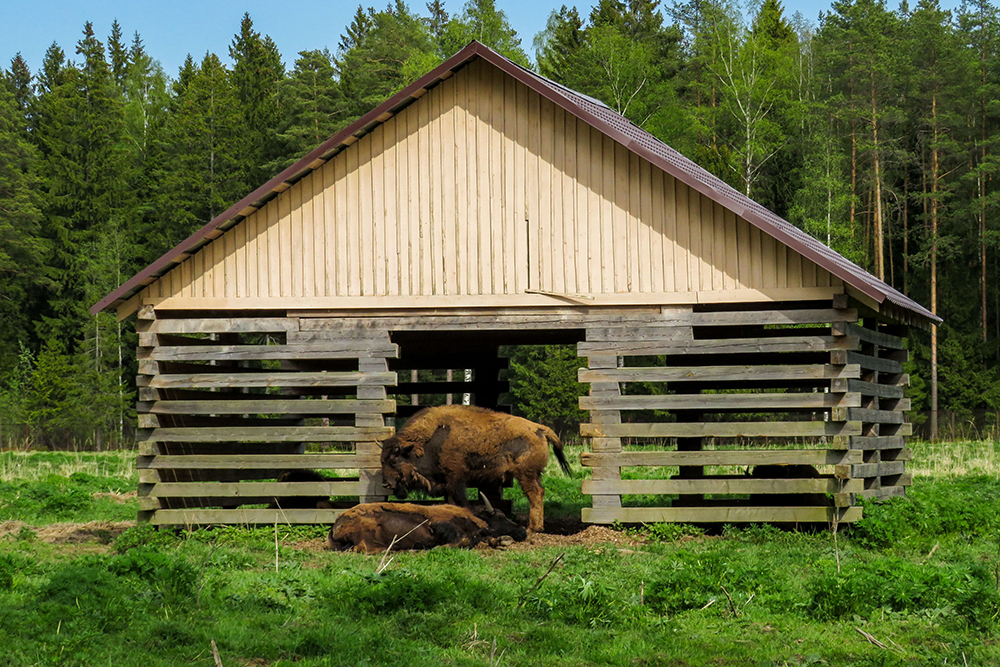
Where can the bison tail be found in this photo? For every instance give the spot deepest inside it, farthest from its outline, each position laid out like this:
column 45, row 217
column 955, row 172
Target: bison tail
column 557, row 448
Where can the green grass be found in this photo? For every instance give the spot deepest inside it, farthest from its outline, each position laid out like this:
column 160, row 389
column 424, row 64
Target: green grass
column 917, row 584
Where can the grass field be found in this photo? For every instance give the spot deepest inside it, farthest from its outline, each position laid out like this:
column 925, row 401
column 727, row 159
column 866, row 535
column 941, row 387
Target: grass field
column 918, row 583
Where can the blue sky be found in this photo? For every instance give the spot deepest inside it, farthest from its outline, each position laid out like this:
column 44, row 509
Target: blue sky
column 171, row 29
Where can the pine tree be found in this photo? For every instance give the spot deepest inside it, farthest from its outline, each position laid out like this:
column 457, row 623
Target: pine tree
column 483, row 22
column 312, row 104
column 559, row 46
column 118, row 54
column 22, row 250
column 257, row 72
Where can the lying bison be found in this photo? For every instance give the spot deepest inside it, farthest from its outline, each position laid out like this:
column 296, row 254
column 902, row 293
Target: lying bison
column 374, row 527
column 445, row 449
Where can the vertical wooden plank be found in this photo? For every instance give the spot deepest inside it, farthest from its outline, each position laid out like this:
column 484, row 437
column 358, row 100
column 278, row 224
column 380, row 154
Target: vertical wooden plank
column 526, row 219
column 231, row 249
column 707, row 225
column 781, row 265
column 769, row 270
column 471, row 156
column 312, row 217
column 513, row 187
column 296, row 230
column 448, row 185
column 719, row 248
column 432, row 101
column 219, row 254
column 330, row 249
column 504, row 278
column 732, row 252
column 743, row 250
column 285, row 250
column 697, row 230
column 668, row 202
column 186, row 279
column 377, row 224
column 240, row 233
column 352, row 210
column 808, row 273
column 756, row 269
column 462, row 221
column 794, row 276
column 390, row 203
column 487, row 253
column 682, row 256
column 557, row 215
column 571, row 240
column 648, row 239
column 366, row 215
column 589, row 208
column 407, row 162
column 614, row 261
column 584, row 225
column 543, row 219
column 342, row 223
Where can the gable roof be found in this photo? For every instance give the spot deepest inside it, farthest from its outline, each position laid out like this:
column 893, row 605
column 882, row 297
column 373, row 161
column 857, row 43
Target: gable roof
column 587, row 109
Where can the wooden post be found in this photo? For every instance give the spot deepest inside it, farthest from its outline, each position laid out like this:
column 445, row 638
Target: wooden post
column 601, row 418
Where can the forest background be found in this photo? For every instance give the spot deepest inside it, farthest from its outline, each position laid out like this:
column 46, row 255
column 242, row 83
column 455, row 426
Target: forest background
column 875, row 130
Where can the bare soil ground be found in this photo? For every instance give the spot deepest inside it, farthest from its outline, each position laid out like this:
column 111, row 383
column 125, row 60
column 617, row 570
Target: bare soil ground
column 68, row 533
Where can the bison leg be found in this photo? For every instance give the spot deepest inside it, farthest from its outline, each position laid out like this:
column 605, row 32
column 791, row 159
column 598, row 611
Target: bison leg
column 456, row 493
column 532, row 487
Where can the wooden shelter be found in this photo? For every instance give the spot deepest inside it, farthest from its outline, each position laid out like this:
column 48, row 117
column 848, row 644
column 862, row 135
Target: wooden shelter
column 484, row 205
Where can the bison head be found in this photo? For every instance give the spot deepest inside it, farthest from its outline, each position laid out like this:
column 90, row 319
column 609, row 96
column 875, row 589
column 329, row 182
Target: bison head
column 499, row 524
column 399, row 474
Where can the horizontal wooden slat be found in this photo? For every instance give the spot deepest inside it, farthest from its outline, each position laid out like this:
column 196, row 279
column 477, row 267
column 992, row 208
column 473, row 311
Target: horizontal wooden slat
column 878, row 469
column 709, row 373
column 268, row 406
column 725, row 457
column 868, row 442
column 719, row 346
column 639, row 333
column 272, row 434
column 254, row 489
column 884, row 492
column 869, row 335
column 788, row 401
column 761, row 317
column 719, row 514
column 275, row 379
column 870, row 388
column 868, row 416
column 241, row 516
column 718, row 485
column 259, row 462
column 865, row 361
column 224, row 325
column 334, row 349
column 720, row 429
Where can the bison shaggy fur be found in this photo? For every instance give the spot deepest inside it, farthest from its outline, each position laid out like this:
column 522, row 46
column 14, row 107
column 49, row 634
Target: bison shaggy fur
column 446, row 449
column 375, row 527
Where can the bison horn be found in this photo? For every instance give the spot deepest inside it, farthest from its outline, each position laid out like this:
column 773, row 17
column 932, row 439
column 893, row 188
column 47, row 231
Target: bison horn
column 486, row 502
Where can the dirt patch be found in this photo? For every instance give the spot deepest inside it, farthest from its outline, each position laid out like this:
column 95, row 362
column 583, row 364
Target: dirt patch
column 589, row 536
column 69, row 533
column 114, row 496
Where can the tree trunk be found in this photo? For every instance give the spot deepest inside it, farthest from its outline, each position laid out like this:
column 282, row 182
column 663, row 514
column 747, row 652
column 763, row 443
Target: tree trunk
column 934, row 249
column 877, row 220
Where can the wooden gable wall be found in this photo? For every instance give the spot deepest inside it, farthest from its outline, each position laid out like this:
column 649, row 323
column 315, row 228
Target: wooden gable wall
column 478, row 193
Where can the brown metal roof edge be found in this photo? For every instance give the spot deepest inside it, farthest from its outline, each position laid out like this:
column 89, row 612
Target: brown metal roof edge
column 288, row 176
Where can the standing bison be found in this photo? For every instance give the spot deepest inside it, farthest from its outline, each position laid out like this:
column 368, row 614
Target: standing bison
column 375, row 527
column 445, row 449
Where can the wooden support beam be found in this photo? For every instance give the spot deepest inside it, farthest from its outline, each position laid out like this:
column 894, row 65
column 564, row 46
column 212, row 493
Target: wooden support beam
column 242, row 516
column 721, row 514
column 723, row 457
column 264, row 434
column 870, row 416
column 720, row 430
column 255, row 462
column 869, row 335
column 720, row 485
column 841, row 357
column 254, row 405
column 272, row 379
column 801, row 372
column 345, row 349
column 711, row 402
column 768, row 345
